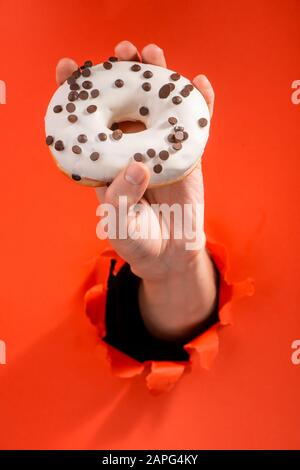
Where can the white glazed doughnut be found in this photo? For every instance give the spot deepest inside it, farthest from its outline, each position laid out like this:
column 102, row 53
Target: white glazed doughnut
column 83, row 109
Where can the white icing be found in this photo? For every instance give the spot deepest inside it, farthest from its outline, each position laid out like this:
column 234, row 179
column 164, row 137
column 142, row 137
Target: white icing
column 120, row 104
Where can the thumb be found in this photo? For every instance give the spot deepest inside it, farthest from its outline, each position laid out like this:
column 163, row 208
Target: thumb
column 131, row 182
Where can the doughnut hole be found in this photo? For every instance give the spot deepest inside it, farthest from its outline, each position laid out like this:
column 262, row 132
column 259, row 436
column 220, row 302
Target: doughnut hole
column 129, row 127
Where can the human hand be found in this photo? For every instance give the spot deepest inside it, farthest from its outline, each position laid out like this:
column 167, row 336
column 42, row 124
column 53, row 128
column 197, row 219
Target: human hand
column 158, row 259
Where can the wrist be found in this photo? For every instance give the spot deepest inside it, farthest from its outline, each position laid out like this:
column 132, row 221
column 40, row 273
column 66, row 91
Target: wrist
column 178, row 267
column 173, row 306
column 168, row 266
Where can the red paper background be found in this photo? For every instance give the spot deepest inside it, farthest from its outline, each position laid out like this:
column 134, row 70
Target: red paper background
column 56, row 390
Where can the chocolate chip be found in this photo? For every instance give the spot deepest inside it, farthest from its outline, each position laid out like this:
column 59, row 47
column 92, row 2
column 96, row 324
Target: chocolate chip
column 114, row 126
column 72, row 96
column 107, row 65
column 102, row 136
column 76, row 149
column 83, row 95
column 70, row 107
column 135, row 67
column 202, row 122
column 91, row 109
column 177, row 146
column 76, row 74
column 72, row 118
column 172, row 86
column 175, row 76
column 87, row 84
column 119, row 83
column 86, row 72
column 176, row 100
column 138, row 157
column 71, row 80
column 157, row 168
column 57, row 108
column 144, row 111
column 163, row 155
column 82, row 138
column 185, row 135
column 95, row 93
column 146, row 86
column 74, row 86
column 76, row 177
column 179, row 135
column 151, row 153
column 171, row 138
column 113, row 59
column 94, row 156
column 88, row 63
column 185, row 92
column 172, row 120
column 164, row 91
column 59, row 145
column 49, row 140
column 148, row 74
column 189, row 87
column 117, row 134
column 178, row 128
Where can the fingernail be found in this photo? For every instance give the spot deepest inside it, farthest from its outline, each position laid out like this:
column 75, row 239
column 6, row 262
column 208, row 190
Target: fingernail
column 135, row 173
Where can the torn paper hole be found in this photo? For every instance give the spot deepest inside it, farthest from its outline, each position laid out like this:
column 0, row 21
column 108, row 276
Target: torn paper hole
column 161, row 376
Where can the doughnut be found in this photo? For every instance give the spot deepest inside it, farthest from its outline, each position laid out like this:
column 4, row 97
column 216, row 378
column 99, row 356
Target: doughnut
column 82, row 119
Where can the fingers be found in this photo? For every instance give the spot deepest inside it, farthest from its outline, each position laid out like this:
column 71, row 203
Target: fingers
column 131, row 182
column 204, row 86
column 64, row 69
column 152, row 54
column 125, row 50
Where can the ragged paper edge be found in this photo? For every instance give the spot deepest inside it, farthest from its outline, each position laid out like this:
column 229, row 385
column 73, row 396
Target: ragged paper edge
column 161, row 376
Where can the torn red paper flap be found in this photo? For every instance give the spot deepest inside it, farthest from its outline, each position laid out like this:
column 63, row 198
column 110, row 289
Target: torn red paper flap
column 229, row 291
column 112, row 254
column 94, row 305
column 206, row 346
column 122, row 365
column 236, row 291
column 163, row 375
